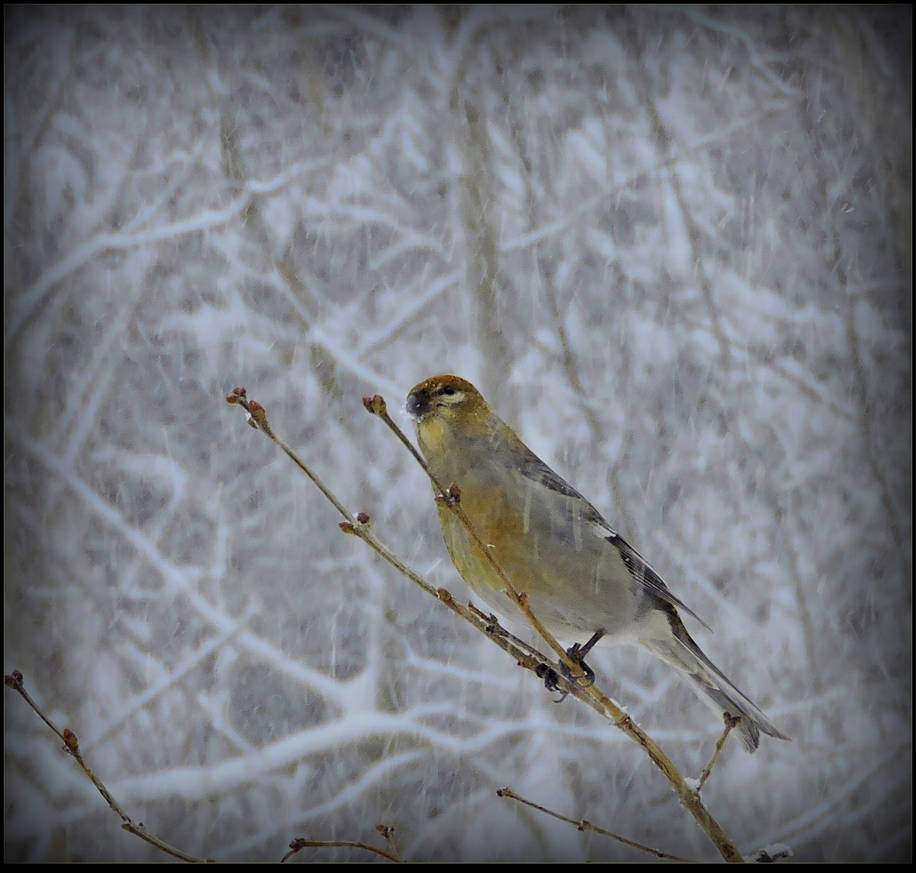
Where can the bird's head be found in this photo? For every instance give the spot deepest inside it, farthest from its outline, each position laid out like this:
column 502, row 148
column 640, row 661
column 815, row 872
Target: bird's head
column 447, row 400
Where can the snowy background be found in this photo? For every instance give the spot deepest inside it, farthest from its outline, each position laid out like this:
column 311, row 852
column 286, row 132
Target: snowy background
column 671, row 246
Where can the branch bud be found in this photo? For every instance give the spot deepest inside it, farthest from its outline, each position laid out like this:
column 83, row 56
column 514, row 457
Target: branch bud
column 375, row 404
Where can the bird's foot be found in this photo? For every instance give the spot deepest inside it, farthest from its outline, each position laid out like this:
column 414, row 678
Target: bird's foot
column 576, row 654
column 551, row 679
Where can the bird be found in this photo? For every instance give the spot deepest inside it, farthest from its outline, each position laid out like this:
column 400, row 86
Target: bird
column 580, row 576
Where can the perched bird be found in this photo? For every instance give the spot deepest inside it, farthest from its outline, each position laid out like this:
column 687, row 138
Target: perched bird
column 581, row 577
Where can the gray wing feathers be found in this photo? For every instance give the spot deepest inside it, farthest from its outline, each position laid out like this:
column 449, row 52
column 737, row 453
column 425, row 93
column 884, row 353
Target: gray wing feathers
column 534, row 469
column 647, row 577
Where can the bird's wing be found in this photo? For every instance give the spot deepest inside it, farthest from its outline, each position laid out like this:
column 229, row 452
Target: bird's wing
column 647, row 577
column 534, row 469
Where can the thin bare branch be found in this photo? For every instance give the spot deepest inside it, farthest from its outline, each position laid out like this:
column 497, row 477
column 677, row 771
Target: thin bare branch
column 731, row 721
column 585, row 825
column 298, row 844
column 72, row 747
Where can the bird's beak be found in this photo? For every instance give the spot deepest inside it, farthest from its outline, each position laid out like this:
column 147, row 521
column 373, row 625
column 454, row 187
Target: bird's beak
column 417, row 404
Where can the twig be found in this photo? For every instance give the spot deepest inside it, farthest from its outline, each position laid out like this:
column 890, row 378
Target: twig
column 584, row 825
column 731, row 721
column 257, row 418
column 297, row 844
column 72, row 747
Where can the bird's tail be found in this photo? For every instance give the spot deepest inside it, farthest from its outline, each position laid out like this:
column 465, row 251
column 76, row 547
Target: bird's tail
column 677, row 648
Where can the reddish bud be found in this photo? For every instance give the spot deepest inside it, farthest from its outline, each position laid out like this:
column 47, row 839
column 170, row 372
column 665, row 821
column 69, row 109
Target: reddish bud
column 375, row 404
column 257, row 412
column 362, row 517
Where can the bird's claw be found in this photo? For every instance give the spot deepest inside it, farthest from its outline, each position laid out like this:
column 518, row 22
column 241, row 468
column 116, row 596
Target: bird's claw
column 552, row 679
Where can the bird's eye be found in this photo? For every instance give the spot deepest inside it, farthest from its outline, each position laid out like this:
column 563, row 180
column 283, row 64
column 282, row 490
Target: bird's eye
column 448, row 390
